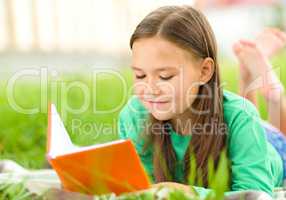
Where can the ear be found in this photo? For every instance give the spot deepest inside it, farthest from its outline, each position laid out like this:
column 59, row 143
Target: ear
column 207, row 70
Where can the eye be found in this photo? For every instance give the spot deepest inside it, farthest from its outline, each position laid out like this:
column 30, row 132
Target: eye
column 165, row 78
column 140, row 77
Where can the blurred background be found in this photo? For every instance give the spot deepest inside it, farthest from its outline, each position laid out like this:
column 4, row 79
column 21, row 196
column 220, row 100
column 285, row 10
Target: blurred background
column 50, row 50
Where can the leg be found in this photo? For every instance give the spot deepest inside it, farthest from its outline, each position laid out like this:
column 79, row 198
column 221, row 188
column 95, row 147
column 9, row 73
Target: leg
column 260, row 75
column 270, row 41
column 277, row 112
column 245, row 78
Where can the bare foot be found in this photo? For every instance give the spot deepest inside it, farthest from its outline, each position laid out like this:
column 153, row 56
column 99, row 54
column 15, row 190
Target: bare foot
column 245, row 75
column 256, row 68
column 270, row 41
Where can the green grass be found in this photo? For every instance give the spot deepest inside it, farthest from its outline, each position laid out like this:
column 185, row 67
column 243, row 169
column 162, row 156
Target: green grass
column 23, row 136
column 15, row 192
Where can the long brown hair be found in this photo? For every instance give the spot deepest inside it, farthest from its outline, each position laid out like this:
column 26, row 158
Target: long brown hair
column 190, row 30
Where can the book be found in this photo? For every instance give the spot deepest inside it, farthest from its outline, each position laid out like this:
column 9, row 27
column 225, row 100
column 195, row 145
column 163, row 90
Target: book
column 111, row 167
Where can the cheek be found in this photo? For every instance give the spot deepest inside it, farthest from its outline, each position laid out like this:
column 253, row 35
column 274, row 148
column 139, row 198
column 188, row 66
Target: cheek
column 186, row 93
column 139, row 87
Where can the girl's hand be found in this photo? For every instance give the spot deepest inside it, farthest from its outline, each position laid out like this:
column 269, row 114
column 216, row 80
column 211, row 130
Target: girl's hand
column 179, row 186
column 162, row 190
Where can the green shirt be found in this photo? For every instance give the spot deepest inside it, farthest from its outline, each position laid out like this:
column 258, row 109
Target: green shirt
column 255, row 164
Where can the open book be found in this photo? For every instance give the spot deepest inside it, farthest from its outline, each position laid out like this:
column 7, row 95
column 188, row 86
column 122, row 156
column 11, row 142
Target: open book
column 97, row 169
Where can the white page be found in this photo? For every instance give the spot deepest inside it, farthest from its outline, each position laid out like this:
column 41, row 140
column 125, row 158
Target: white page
column 59, row 139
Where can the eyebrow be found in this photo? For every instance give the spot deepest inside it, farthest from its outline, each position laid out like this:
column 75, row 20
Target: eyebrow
column 159, row 69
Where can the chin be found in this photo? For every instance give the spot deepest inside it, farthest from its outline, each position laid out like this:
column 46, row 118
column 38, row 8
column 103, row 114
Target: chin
column 162, row 116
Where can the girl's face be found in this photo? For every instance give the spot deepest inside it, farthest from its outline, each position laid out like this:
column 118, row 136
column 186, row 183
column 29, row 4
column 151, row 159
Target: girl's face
column 166, row 77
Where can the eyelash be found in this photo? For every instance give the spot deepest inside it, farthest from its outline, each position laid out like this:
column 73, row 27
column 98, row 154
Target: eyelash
column 166, row 78
column 161, row 77
column 140, row 77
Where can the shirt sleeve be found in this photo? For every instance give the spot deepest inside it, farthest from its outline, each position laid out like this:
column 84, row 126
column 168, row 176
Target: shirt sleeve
column 130, row 124
column 120, row 127
column 248, row 152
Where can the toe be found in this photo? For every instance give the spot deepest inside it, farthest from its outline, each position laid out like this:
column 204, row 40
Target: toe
column 247, row 43
column 236, row 47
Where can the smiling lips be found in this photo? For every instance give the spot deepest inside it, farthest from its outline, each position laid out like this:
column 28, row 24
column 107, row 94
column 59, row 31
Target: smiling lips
column 156, row 103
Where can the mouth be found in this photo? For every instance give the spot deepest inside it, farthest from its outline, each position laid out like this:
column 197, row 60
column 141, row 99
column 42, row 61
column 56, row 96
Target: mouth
column 155, row 103
column 159, row 102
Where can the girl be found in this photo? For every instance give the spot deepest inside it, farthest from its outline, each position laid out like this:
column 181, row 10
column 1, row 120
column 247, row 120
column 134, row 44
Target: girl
column 179, row 107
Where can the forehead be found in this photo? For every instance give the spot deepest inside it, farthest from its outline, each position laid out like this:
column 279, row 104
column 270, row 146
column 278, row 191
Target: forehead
column 156, row 53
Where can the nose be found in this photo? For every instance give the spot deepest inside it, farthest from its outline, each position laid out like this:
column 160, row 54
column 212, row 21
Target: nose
column 152, row 88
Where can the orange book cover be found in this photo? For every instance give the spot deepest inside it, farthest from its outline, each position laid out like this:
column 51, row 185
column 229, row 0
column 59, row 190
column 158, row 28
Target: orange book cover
column 97, row 169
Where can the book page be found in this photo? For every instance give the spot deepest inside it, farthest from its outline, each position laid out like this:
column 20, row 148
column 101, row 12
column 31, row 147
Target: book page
column 60, row 142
